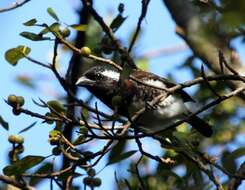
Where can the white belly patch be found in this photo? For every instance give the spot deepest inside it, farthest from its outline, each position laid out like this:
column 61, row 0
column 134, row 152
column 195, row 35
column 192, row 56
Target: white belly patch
column 166, row 113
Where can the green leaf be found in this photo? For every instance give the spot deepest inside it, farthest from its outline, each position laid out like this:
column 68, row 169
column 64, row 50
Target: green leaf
column 15, row 54
column 33, row 36
column 30, row 22
column 26, row 81
column 55, row 27
column 22, row 165
column 79, row 27
column 80, row 139
column 228, row 162
column 43, row 31
column 27, row 128
column 4, row 123
column 117, row 22
column 56, row 106
column 46, row 168
column 116, row 150
column 236, row 153
column 121, row 157
column 181, row 135
column 143, row 64
column 52, row 13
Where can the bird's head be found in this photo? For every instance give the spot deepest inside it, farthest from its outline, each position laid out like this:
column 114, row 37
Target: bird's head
column 100, row 80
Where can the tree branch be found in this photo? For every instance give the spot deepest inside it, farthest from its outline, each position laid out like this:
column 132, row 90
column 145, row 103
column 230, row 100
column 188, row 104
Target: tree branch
column 108, row 31
column 12, row 181
column 14, row 6
column 204, row 44
column 144, row 7
column 235, row 182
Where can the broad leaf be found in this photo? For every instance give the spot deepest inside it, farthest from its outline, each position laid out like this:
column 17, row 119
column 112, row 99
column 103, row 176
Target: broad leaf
column 26, row 81
column 33, row 36
column 22, row 165
column 30, row 22
column 79, row 140
column 56, row 106
column 117, row 22
column 117, row 150
column 15, row 54
column 236, row 153
column 228, row 162
column 52, row 13
column 121, row 157
column 4, row 123
column 46, row 168
column 79, row 27
column 55, row 27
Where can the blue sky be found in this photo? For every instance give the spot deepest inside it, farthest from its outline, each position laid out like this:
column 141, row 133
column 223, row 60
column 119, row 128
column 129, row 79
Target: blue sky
column 158, row 33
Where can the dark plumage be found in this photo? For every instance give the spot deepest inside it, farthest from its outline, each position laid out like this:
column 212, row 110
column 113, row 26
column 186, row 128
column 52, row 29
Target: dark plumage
column 105, row 84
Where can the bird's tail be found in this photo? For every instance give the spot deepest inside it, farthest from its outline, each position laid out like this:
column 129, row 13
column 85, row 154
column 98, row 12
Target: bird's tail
column 201, row 126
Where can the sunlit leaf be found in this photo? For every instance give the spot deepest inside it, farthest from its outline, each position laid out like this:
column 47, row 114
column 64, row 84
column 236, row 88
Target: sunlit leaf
column 56, row 106
column 30, row 22
column 4, row 124
column 26, row 81
column 143, row 64
column 52, row 13
column 79, row 27
column 43, row 31
column 22, row 165
column 55, row 27
column 15, row 54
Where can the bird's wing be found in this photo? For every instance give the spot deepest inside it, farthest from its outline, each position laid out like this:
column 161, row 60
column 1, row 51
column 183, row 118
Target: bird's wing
column 142, row 75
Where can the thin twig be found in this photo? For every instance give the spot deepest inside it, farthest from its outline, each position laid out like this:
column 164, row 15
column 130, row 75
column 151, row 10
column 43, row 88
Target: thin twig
column 142, row 184
column 108, row 31
column 205, row 169
column 14, row 6
column 144, row 6
column 223, row 60
column 50, row 175
column 141, row 111
column 38, row 62
column 208, row 83
column 236, row 182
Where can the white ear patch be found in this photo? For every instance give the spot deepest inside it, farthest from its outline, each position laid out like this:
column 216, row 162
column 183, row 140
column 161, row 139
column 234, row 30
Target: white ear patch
column 155, row 83
column 111, row 74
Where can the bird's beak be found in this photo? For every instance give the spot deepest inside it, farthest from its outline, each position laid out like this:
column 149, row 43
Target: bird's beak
column 84, row 81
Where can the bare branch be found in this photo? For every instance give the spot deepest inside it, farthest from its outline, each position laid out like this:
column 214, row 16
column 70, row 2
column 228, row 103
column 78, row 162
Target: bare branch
column 144, row 7
column 204, row 46
column 14, row 5
column 108, row 31
column 235, row 182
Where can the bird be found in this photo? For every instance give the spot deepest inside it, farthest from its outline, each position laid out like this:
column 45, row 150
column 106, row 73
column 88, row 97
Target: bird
column 127, row 95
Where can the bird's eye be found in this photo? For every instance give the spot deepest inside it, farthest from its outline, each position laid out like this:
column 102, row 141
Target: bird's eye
column 94, row 76
column 98, row 76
